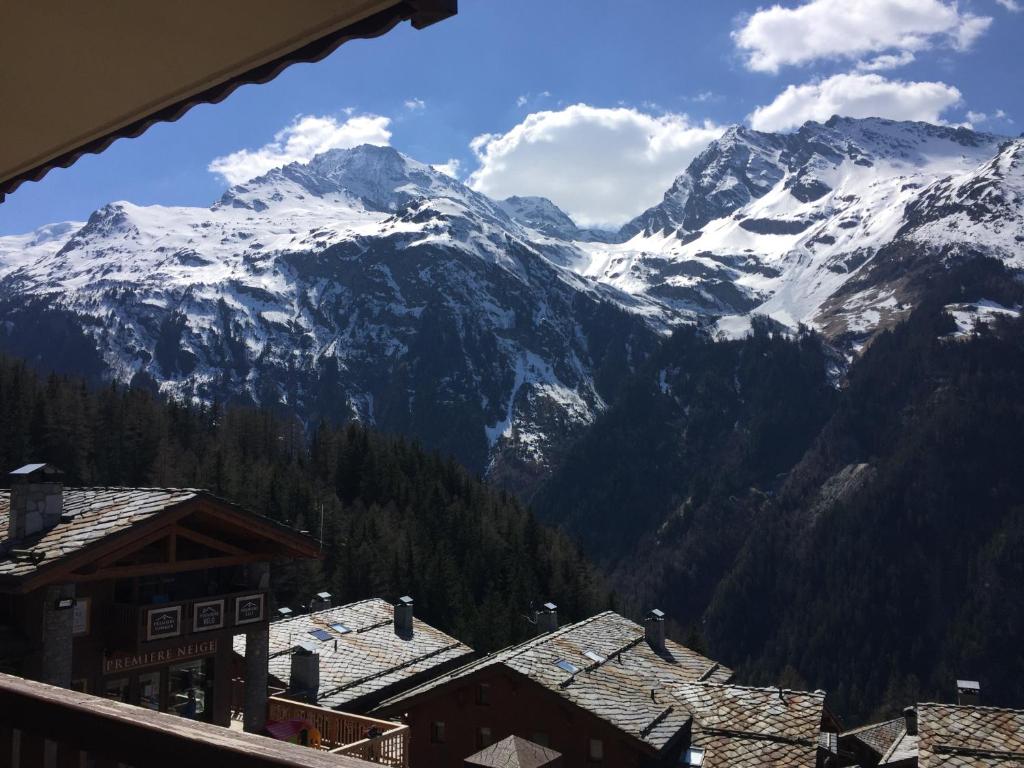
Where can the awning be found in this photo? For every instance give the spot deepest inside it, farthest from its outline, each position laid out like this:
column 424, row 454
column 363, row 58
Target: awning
column 78, row 75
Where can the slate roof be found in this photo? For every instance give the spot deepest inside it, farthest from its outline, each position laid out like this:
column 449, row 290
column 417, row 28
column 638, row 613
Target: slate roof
column 90, row 514
column 367, row 663
column 740, row 727
column 954, row 736
column 631, row 689
column 903, row 750
column 878, row 737
column 514, row 752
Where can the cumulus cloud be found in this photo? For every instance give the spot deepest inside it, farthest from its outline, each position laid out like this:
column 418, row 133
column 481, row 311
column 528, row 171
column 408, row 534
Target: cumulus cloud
column 451, row 168
column 886, row 61
column 304, row 137
column 975, row 119
column 855, row 95
column 827, row 29
column 602, row 166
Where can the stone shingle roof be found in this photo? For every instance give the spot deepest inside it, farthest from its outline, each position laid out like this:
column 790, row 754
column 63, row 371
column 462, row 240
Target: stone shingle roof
column 631, row 686
column 369, row 661
column 953, row 736
column 514, row 752
column 878, row 737
column 740, row 727
column 90, row 514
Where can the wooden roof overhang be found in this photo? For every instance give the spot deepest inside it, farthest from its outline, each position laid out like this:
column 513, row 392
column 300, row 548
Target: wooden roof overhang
column 228, row 534
column 78, row 75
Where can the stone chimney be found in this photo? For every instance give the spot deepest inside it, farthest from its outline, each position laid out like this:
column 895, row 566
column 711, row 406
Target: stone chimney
column 547, row 618
column 968, row 693
column 37, row 500
column 654, row 629
column 403, row 617
column 910, row 720
column 304, row 683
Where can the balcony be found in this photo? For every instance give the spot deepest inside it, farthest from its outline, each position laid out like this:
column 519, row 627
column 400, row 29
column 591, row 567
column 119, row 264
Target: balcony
column 367, row 738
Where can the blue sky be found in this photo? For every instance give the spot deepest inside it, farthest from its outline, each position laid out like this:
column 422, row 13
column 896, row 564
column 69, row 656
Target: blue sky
column 595, row 103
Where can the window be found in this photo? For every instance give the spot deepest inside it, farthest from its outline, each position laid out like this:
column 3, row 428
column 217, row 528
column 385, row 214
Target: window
column 596, row 750
column 437, row 732
column 483, row 694
column 484, row 738
column 340, row 628
column 320, row 634
column 568, row 666
column 149, row 690
column 116, row 689
column 595, row 657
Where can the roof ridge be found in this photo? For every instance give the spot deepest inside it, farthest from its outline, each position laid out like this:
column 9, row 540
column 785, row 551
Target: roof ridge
column 866, row 726
column 762, row 689
column 970, row 706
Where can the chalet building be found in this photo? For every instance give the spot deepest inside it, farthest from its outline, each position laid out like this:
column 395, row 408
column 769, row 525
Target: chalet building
column 352, row 657
column 135, row 594
column 962, row 735
column 606, row 691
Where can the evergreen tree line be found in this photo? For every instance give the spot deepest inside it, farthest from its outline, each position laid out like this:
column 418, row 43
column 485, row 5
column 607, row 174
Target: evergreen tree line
column 394, row 518
column 860, row 534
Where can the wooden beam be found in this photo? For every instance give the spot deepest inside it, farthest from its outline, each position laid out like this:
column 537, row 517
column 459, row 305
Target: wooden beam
column 158, row 569
column 209, row 541
column 128, row 549
column 172, row 546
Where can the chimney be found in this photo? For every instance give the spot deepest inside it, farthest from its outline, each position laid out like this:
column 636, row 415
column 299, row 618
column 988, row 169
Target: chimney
column 547, row 619
column 968, row 693
column 654, row 629
column 37, row 500
column 910, row 720
column 304, row 683
column 321, row 602
column 403, row 617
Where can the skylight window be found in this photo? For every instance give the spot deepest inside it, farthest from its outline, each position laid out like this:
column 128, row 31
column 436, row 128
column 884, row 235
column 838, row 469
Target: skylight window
column 340, row 628
column 568, row 666
column 593, row 656
column 320, row 634
column 694, row 756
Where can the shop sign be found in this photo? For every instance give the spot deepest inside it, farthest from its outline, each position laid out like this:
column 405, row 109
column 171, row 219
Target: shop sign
column 207, row 614
column 163, row 622
column 165, row 656
column 249, row 609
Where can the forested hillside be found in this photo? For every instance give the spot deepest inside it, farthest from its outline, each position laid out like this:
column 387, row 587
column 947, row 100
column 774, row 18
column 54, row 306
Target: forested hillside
column 864, row 538
column 396, row 519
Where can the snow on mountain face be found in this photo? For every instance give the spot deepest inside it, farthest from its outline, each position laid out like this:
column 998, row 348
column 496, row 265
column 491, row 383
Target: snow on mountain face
column 365, row 284
column 799, row 226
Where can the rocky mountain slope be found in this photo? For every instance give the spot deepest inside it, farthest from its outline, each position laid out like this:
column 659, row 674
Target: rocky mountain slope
column 367, row 285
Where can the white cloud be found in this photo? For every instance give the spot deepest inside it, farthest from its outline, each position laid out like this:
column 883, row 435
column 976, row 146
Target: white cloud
column 886, row 61
column 521, row 100
column 414, row 105
column 304, row 137
column 978, row 118
column 602, row 166
column 855, row 95
column 827, row 29
column 451, row 168
column 1011, row 5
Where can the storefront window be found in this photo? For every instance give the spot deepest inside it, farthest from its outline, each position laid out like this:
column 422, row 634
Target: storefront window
column 188, row 689
column 149, row 690
column 116, row 688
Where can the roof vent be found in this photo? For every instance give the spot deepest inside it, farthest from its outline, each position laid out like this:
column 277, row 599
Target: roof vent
column 968, row 693
column 37, row 500
column 403, row 617
column 654, row 629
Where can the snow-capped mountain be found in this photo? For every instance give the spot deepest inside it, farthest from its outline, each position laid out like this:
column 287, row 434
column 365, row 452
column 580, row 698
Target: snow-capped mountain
column 803, row 226
column 361, row 285
column 365, row 284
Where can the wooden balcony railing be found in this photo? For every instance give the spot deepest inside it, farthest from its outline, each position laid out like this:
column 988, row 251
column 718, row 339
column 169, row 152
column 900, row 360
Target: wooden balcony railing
column 344, row 734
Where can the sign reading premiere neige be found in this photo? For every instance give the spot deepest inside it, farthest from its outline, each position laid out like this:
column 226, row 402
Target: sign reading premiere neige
column 165, row 656
column 163, row 622
column 249, row 609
